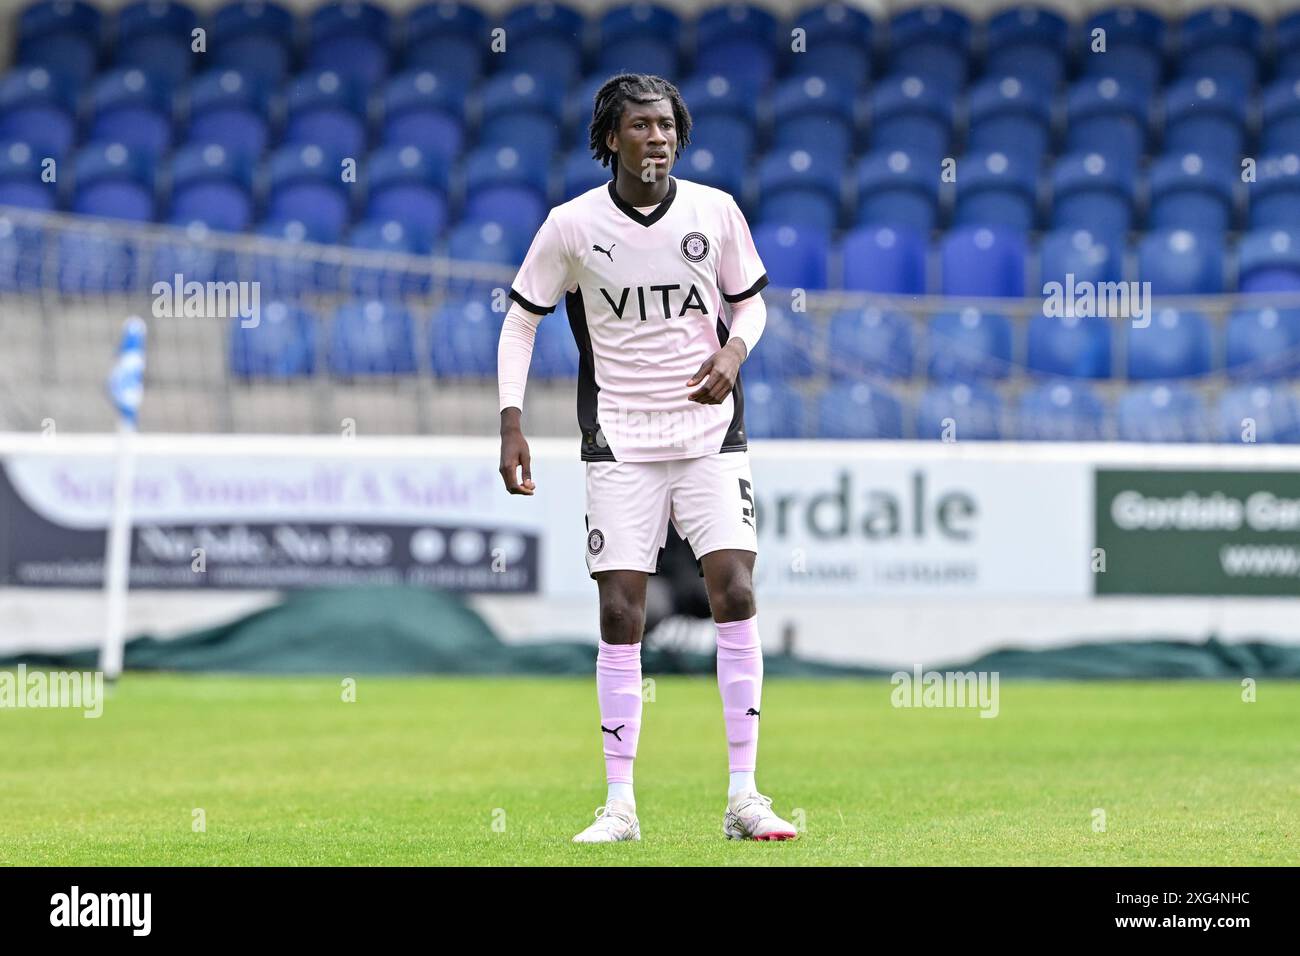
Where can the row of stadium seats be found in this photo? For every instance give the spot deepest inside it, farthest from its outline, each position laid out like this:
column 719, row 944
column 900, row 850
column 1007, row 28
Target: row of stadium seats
column 747, row 43
column 968, row 261
column 442, row 111
column 967, row 345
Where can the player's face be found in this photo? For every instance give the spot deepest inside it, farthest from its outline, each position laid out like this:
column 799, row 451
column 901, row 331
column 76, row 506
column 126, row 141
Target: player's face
column 646, row 140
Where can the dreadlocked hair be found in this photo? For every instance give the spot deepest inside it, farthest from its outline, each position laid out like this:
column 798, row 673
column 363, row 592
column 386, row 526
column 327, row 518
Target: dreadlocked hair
column 617, row 92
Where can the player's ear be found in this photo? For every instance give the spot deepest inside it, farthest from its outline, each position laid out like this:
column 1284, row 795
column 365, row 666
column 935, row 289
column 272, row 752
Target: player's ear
column 611, row 141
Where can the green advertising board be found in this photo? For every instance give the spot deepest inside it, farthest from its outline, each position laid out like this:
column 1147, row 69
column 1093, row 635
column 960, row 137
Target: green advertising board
column 1203, row 532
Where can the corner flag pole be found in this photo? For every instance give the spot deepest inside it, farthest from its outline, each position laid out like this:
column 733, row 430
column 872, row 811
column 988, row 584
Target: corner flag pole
column 125, row 388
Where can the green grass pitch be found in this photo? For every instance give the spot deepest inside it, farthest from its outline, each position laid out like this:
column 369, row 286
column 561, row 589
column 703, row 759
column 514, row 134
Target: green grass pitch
column 505, row 771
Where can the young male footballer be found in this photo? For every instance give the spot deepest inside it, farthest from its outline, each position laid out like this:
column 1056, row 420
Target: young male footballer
column 645, row 263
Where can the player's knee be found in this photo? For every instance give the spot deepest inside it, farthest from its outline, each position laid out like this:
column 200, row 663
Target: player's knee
column 620, row 618
column 735, row 599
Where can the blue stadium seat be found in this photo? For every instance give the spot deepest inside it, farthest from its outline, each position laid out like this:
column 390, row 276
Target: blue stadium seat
column 655, row 55
column 978, row 261
column 1088, row 256
column 995, row 189
column 500, row 185
column 305, row 185
column 409, row 185
column 1221, row 42
column 352, row 38
column 532, row 134
column 710, row 94
column 580, row 99
column 969, row 344
column 1177, row 344
column 720, row 168
column 795, row 255
column 23, row 253
column 113, row 180
column 283, row 272
column 580, row 174
column 1204, row 115
column 212, row 185
column 1108, row 115
column 328, row 109
column 1190, row 191
column 855, row 410
column 737, row 41
column 1264, row 412
column 61, row 35
column 195, row 259
column 371, row 338
column 785, row 352
column 838, row 39
column 1069, row 346
column 281, row 345
column 959, row 412
column 1269, row 261
column 931, row 41
column 463, row 338
column 870, row 342
column 632, row 20
column 1161, row 413
column 156, row 35
column 800, row 187
column 813, row 112
column 502, row 243
column 421, row 108
column 1286, row 45
column 898, row 189
column 229, row 107
column 1262, row 343
column 555, row 354
column 1280, row 117
column 92, row 260
column 20, row 179
column 1029, row 43
column 773, row 410
column 1135, row 45
column 254, row 37
column 885, row 259
column 1060, row 411
column 387, row 280
column 556, row 59
column 39, row 108
column 717, row 133
column 453, row 55
column 1094, row 193
column 445, row 18
column 133, row 107
column 1181, row 262
column 520, row 94
column 1012, row 116
column 910, row 113
column 1275, row 196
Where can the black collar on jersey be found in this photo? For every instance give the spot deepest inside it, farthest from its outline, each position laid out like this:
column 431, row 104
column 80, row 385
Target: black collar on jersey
column 631, row 211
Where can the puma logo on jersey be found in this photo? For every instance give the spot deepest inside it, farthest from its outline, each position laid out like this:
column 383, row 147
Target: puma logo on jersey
column 609, row 252
column 692, row 300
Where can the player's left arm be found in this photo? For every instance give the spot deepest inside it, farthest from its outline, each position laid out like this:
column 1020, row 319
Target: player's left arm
column 741, row 278
column 748, row 318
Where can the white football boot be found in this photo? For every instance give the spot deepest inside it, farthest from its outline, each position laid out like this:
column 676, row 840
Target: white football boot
column 615, row 821
column 750, row 817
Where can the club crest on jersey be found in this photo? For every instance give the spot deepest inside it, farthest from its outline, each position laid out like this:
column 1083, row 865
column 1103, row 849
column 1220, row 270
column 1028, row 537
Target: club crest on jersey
column 596, row 541
column 695, row 246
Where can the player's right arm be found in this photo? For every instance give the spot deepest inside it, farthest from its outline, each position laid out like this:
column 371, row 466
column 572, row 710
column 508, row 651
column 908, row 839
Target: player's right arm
column 542, row 279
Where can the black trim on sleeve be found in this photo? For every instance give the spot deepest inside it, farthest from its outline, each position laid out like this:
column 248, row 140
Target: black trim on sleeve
column 535, row 309
column 754, row 289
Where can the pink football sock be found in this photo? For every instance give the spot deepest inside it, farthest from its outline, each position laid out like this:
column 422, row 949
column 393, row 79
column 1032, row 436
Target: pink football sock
column 740, row 680
column 618, row 685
